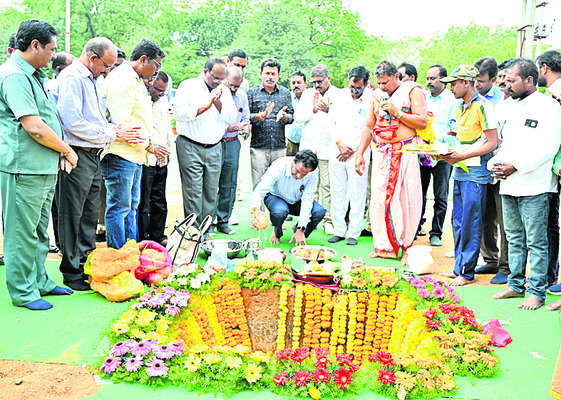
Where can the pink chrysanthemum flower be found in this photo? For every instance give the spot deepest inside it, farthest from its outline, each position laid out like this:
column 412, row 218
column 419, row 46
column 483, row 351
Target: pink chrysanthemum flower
column 110, row 364
column 172, row 310
column 157, row 367
column 121, row 348
column 164, row 352
column 142, row 349
column 133, row 364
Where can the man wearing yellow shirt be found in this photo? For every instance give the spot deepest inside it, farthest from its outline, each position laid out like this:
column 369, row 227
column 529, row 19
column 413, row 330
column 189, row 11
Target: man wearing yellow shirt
column 128, row 104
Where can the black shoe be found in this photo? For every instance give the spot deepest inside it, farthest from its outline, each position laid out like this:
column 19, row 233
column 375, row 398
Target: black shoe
column 100, row 237
column 366, row 233
column 225, row 229
column 335, row 239
column 351, row 241
column 1, row 259
column 80, row 286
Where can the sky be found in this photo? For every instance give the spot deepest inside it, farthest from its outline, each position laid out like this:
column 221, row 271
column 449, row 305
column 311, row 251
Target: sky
column 426, row 17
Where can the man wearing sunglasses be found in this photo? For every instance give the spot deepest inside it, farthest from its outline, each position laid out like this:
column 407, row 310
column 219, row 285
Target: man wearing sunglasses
column 121, row 164
column 82, row 113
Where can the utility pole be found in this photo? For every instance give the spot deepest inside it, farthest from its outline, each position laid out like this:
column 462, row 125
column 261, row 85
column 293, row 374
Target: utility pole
column 67, row 33
column 525, row 45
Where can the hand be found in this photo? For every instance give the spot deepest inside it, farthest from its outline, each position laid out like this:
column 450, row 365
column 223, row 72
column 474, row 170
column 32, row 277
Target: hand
column 360, row 164
column 64, row 165
column 160, row 151
column 238, row 128
column 299, row 237
column 128, row 134
column 282, row 114
column 502, row 170
column 72, row 158
column 213, row 99
column 268, row 110
column 387, row 105
column 454, row 157
column 323, row 106
column 345, row 152
column 217, row 102
column 162, row 161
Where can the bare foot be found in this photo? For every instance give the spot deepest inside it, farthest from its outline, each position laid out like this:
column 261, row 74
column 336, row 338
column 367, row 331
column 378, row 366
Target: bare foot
column 274, row 239
column 373, row 255
column 508, row 293
column 450, row 275
column 556, row 305
column 404, row 258
column 460, row 281
column 284, row 227
column 531, row 303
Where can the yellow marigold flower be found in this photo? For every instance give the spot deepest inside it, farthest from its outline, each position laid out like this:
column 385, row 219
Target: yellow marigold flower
column 212, row 358
column 260, row 357
column 233, row 362
column 314, row 393
column 445, row 382
column 129, row 316
column 405, row 379
column 426, row 379
column 120, row 328
column 192, row 363
column 470, row 356
column 252, row 373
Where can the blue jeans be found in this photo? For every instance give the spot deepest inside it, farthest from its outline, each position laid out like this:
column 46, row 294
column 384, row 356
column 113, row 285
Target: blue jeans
column 279, row 210
column 122, row 181
column 525, row 220
column 467, row 221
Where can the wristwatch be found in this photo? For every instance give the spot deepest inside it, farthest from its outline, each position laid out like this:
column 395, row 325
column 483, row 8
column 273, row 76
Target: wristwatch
column 400, row 114
column 302, row 228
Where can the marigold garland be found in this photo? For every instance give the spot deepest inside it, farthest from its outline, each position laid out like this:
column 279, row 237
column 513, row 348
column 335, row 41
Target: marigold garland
column 231, row 314
column 335, row 328
column 327, row 306
column 360, row 326
column 297, row 326
column 312, row 322
column 370, row 329
column 343, row 312
column 352, row 322
column 283, row 313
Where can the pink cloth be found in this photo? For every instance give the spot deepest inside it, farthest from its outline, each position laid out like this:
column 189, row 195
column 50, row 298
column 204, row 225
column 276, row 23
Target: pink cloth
column 155, row 262
column 499, row 336
column 396, row 200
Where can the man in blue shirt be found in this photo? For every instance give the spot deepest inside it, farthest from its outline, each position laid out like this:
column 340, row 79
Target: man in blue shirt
column 288, row 187
column 82, row 113
column 231, row 145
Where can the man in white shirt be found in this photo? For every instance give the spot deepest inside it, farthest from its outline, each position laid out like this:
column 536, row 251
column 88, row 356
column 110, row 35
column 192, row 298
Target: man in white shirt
column 293, row 132
column 524, row 163
column 348, row 116
column 204, row 106
column 441, row 102
column 313, row 110
column 153, row 208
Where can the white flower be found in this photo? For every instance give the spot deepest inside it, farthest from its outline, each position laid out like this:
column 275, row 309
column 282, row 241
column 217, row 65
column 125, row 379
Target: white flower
column 209, row 269
column 195, row 283
column 204, row 278
column 183, row 281
column 347, row 279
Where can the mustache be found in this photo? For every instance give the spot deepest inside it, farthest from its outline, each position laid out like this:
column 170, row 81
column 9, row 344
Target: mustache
column 502, row 84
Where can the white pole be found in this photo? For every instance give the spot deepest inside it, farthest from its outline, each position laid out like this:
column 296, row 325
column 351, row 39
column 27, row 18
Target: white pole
column 67, row 33
column 531, row 14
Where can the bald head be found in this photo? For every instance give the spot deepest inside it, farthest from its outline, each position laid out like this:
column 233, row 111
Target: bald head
column 234, row 77
column 99, row 55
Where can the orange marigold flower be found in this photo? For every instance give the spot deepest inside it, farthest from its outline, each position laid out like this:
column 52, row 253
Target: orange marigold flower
column 359, row 282
column 470, row 356
column 405, row 379
column 390, row 280
column 445, row 382
column 264, row 276
column 426, row 379
column 488, row 359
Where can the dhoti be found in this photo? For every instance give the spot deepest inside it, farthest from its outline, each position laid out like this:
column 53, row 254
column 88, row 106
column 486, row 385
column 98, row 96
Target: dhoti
column 397, row 198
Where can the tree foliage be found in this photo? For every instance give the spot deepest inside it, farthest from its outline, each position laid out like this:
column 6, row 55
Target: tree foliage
column 300, row 34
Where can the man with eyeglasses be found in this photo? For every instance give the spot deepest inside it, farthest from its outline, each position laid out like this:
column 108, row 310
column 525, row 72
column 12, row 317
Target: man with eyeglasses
column 121, row 162
column 238, row 58
column 82, row 113
column 153, row 208
column 347, row 117
column 312, row 111
column 204, row 107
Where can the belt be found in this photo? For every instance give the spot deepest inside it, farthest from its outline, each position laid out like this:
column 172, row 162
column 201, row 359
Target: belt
column 229, row 139
column 203, row 145
column 94, row 150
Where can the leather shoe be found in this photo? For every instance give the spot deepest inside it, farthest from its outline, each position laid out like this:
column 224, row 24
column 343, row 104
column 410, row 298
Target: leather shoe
column 351, row 241
column 335, row 239
column 225, row 229
column 366, row 233
column 422, row 232
column 500, row 279
column 486, row 269
column 80, row 286
column 435, row 241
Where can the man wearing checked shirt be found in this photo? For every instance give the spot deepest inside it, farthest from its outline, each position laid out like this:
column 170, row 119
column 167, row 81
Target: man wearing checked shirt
column 288, row 187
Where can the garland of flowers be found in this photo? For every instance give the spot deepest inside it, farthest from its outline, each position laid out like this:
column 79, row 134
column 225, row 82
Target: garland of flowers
column 343, row 313
column 283, row 313
column 185, row 328
column 335, row 328
column 230, row 311
column 327, row 306
column 297, row 324
column 351, row 331
column 360, row 326
column 370, row 329
column 312, row 322
column 205, row 314
column 405, row 314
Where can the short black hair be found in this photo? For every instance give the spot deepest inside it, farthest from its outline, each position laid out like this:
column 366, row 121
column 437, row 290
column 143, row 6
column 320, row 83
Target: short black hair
column 272, row 63
column 409, row 70
column 504, row 64
column 526, row 68
column 121, row 53
column 442, row 72
column 359, row 72
column 209, row 65
column 385, row 68
column 299, row 73
column 60, row 59
column 34, row 29
column 551, row 58
column 146, row 48
column 487, row 65
column 308, row 158
column 162, row 76
column 12, row 41
column 237, row 53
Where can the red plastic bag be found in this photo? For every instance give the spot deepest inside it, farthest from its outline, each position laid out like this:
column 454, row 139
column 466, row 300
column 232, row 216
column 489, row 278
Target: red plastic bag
column 155, row 262
column 499, row 336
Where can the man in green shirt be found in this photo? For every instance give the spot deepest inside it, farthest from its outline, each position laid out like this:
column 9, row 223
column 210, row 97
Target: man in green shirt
column 30, row 150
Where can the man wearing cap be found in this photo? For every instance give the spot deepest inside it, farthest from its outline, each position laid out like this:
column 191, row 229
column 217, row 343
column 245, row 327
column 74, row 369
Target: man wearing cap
column 396, row 110
column 477, row 135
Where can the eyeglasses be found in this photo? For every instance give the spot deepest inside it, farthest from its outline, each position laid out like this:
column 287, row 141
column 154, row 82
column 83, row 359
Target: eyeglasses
column 357, row 89
column 314, row 83
column 160, row 91
column 104, row 63
column 158, row 65
column 215, row 79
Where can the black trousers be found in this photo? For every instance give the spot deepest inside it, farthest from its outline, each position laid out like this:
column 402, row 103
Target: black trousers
column 78, row 205
column 153, row 208
column 441, row 177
